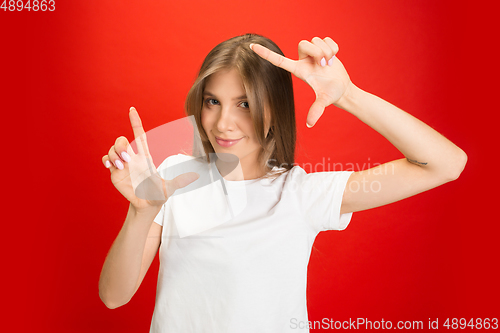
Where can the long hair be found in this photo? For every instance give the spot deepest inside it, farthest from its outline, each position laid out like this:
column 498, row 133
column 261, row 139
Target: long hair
column 268, row 88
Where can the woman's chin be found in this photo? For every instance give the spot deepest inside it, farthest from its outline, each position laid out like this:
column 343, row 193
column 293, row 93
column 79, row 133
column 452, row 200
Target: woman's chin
column 227, row 157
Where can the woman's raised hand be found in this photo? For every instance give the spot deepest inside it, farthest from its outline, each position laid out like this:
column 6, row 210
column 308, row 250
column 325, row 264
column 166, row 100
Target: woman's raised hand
column 318, row 67
column 135, row 176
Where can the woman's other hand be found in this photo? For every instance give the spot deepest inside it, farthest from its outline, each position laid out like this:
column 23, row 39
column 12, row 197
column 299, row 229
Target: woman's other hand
column 319, row 67
column 134, row 174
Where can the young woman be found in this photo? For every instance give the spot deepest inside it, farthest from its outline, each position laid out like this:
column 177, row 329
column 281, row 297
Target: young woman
column 247, row 273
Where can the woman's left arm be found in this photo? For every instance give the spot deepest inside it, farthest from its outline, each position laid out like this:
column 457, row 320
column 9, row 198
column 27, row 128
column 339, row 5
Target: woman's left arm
column 430, row 159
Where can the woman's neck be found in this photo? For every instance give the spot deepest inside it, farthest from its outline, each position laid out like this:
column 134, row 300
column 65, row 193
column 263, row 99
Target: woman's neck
column 239, row 170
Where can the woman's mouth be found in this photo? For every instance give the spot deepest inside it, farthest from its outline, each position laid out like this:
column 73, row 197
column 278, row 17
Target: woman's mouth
column 226, row 143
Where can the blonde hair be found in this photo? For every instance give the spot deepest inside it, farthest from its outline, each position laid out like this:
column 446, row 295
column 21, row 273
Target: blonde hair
column 269, row 88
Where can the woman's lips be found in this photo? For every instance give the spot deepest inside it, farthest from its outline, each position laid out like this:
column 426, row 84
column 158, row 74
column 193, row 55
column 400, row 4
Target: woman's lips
column 226, row 143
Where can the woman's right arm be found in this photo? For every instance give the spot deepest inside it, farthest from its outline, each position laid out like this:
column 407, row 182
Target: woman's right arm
column 129, row 258
column 135, row 247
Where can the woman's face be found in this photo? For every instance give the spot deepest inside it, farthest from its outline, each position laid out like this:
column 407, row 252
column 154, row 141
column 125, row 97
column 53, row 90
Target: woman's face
column 226, row 117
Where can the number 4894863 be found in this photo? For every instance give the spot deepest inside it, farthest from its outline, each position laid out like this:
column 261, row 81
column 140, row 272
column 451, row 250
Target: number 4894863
column 30, row 5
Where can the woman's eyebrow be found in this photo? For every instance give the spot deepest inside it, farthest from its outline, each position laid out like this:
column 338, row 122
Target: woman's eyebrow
column 209, row 94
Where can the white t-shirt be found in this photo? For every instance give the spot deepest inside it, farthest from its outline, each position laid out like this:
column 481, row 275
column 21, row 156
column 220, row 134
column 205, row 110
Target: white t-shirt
column 247, row 273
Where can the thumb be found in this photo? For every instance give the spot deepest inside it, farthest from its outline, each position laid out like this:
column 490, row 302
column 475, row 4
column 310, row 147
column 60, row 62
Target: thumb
column 180, row 181
column 315, row 111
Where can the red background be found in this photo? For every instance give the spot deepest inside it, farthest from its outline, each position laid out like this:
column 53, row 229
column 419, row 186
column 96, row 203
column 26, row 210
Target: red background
column 69, row 77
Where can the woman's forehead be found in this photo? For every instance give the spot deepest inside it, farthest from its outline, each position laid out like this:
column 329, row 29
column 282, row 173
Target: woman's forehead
column 225, row 82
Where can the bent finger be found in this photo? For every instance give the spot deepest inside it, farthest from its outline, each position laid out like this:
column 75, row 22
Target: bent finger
column 308, row 49
column 123, row 149
column 107, row 163
column 274, row 58
column 115, row 159
column 325, row 48
column 333, row 46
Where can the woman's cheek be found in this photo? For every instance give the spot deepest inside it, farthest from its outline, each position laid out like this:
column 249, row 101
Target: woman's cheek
column 204, row 119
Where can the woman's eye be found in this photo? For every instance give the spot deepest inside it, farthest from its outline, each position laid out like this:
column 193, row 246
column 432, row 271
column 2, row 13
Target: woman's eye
column 212, row 101
column 245, row 105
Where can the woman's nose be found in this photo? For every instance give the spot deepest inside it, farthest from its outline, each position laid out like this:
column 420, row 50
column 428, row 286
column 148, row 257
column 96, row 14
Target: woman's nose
column 225, row 122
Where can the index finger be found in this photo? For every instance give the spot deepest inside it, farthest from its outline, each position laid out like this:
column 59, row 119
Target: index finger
column 139, row 134
column 274, row 58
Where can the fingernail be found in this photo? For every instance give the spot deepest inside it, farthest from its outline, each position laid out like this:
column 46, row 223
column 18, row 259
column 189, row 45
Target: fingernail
column 330, row 62
column 107, row 164
column 132, row 108
column 323, row 62
column 251, row 47
column 308, row 125
column 119, row 164
column 125, row 156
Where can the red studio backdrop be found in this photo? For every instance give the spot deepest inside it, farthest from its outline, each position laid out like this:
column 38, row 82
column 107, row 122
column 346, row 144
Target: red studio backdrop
column 70, row 75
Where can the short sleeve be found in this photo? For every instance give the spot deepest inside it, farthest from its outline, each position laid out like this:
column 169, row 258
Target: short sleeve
column 166, row 174
column 319, row 197
column 159, row 218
